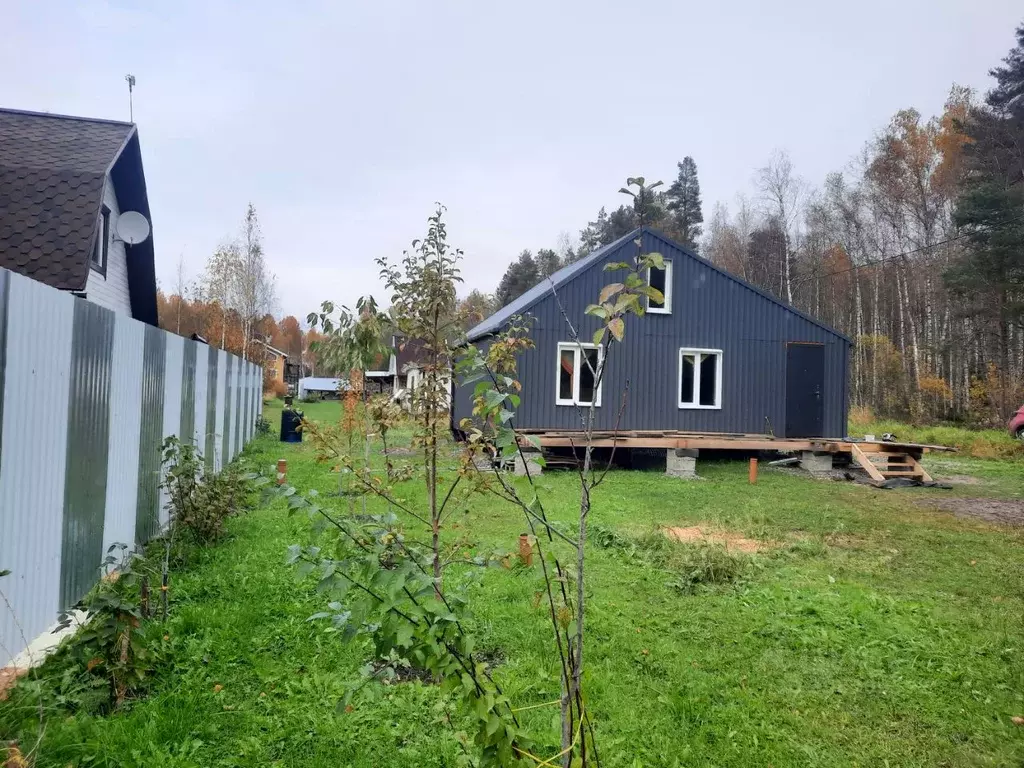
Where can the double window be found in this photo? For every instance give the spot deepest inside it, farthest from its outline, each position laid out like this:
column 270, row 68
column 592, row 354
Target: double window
column 700, row 378
column 662, row 280
column 99, row 251
column 578, row 368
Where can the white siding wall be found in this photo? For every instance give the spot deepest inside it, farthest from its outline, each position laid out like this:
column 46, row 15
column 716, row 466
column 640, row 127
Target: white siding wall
column 111, row 291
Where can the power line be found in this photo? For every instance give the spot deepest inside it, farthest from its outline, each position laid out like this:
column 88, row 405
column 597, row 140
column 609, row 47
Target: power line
column 880, row 260
column 884, row 259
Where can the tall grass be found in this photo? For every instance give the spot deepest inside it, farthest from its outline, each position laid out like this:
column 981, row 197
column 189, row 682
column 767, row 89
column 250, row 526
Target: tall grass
column 979, row 443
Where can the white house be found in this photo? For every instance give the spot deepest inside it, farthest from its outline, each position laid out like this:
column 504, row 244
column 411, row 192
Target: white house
column 64, row 181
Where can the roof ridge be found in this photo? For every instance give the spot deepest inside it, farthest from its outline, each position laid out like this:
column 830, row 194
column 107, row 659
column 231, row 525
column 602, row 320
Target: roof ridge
column 61, row 116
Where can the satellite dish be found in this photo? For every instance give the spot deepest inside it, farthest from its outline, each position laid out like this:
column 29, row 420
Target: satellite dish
column 132, row 227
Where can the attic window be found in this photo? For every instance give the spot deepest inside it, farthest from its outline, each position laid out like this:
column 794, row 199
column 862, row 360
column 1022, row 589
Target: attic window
column 700, row 378
column 578, row 365
column 662, row 280
column 99, row 250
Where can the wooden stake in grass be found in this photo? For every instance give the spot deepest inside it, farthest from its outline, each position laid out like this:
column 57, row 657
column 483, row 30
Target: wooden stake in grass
column 753, row 471
column 282, row 471
column 525, row 549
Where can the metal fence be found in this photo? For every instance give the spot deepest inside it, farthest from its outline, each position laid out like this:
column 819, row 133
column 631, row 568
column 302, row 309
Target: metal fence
column 87, row 397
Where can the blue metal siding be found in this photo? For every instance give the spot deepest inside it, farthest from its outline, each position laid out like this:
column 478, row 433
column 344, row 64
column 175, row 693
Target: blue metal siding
column 710, row 310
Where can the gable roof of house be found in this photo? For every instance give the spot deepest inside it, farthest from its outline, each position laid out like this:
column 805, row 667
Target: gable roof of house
column 549, row 285
column 272, row 349
column 52, row 174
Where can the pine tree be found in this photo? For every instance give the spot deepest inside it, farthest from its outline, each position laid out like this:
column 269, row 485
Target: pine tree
column 520, row 276
column 1007, row 97
column 684, row 204
column 547, row 262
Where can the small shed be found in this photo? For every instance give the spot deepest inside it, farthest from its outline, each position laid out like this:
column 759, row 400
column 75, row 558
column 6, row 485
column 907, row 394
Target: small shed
column 718, row 356
column 321, row 386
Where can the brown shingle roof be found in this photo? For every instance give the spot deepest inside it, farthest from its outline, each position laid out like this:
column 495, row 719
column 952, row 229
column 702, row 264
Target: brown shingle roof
column 52, row 171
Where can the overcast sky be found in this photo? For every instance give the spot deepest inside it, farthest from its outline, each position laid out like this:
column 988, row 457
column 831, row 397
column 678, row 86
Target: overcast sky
column 343, row 122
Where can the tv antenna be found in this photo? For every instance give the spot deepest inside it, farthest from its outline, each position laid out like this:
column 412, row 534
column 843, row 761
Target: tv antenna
column 130, row 79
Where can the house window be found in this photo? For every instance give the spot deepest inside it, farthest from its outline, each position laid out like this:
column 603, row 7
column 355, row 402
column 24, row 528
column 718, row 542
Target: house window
column 700, row 378
column 662, row 280
column 578, row 365
column 99, row 251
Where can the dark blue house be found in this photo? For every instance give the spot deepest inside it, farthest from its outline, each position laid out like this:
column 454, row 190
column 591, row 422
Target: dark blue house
column 719, row 356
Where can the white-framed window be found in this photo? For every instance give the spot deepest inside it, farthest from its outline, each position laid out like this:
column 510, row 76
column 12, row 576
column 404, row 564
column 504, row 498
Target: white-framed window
column 99, row 251
column 576, row 376
column 700, row 378
column 662, row 280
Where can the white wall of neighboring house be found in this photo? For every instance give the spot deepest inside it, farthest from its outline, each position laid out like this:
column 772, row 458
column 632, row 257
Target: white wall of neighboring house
column 111, row 291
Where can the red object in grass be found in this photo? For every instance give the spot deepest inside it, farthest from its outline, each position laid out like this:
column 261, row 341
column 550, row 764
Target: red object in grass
column 1016, row 424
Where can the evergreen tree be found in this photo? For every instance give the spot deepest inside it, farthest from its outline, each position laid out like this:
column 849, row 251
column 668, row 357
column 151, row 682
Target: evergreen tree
column 547, row 262
column 520, row 276
column 683, row 202
column 1007, row 97
column 989, row 278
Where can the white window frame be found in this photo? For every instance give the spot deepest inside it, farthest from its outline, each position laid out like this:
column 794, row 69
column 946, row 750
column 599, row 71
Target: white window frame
column 696, row 404
column 667, row 309
column 577, row 348
column 101, row 248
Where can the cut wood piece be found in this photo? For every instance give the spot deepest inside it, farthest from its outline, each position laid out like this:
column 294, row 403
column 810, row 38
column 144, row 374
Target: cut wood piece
column 865, row 463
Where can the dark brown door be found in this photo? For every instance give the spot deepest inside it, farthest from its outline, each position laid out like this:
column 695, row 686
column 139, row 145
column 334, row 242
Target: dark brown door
column 805, row 390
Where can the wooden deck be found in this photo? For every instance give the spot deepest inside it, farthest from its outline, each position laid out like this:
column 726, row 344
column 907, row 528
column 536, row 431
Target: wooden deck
column 881, row 460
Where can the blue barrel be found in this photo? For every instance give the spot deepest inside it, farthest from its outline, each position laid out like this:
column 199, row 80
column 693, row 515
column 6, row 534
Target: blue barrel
column 290, row 422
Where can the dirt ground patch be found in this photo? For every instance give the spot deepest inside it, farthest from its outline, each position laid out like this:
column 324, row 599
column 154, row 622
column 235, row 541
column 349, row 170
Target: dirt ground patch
column 960, row 479
column 990, row 510
column 731, row 541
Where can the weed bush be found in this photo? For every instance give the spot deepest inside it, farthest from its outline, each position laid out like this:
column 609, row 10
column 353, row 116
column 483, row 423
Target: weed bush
column 311, row 397
column 200, row 502
column 706, row 564
column 262, row 426
column 118, row 648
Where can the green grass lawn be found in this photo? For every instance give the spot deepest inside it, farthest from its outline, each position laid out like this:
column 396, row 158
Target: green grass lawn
column 877, row 631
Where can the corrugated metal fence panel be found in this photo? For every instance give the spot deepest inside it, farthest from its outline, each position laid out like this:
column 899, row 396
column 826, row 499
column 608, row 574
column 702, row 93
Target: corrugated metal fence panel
column 85, row 479
column 218, row 422
column 212, row 376
column 202, row 363
column 35, row 421
column 86, row 399
column 240, row 405
column 125, row 421
column 188, row 393
column 250, row 420
column 175, row 346
column 154, row 357
column 229, row 383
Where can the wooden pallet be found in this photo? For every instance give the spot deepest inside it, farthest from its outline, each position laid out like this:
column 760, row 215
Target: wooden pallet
column 883, row 462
